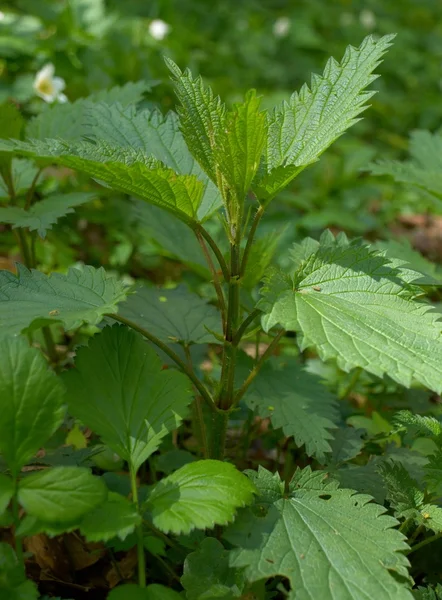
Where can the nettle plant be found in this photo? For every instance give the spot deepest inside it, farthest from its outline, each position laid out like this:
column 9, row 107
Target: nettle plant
column 138, row 383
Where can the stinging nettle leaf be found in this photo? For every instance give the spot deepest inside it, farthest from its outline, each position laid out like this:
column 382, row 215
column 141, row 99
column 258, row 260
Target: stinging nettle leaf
column 295, row 401
column 199, row 495
column 61, row 494
column 31, row 402
column 329, row 542
column 303, row 128
column 176, row 315
column 34, row 299
column 119, row 390
column 359, row 308
column 42, row 215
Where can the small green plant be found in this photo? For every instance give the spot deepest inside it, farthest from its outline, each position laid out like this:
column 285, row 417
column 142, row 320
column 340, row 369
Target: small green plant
column 307, row 530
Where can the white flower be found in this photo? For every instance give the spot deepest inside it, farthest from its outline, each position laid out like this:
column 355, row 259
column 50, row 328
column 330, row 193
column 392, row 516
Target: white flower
column 367, row 19
column 158, row 29
column 281, row 27
column 2, row 16
column 47, row 86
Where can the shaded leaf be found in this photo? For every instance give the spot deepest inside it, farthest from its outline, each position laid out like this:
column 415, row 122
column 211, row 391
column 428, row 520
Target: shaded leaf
column 117, row 517
column 6, row 492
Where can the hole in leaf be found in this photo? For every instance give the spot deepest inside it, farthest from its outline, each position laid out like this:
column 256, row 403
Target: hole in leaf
column 325, row 496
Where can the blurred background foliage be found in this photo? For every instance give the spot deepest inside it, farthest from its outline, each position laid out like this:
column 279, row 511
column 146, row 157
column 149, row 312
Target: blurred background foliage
column 271, row 45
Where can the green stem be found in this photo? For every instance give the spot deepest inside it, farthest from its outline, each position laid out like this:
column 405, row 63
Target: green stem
column 198, row 410
column 16, row 518
column 216, row 282
column 50, row 346
column 242, row 328
column 31, row 190
column 220, row 420
column 217, row 252
column 243, row 389
column 351, row 384
column 139, row 531
column 24, row 248
column 165, row 348
column 429, row 540
column 250, row 239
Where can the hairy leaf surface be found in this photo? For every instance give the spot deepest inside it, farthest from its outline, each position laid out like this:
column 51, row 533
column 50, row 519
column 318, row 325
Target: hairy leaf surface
column 329, row 542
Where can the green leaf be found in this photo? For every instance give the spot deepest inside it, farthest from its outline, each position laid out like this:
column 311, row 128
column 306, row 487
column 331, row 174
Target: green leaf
column 154, row 591
column 31, row 402
column 347, row 444
column 202, row 117
column 403, row 492
column 61, row 494
column 175, row 315
column 69, row 121
column 13, row 583
column 22, row 172
column 261, row 254
column 360, row 308
column 207, row 573
column 117, row 517
column 424, row 170
column 295, row 401
column 42, row 215
column 120, row 391
column 6, row 492
column 419, row 424
column 127, row 170
column 200, row 495
column 430, row 274
column 33, row 298
column 427, row 593
column 154, row 135
column 303, row 128
column 11, row 125
column 329, row 542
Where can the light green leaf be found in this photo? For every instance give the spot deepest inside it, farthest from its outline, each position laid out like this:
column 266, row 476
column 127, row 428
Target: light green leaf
column 42, row 215
column 33, row 298
column 301, row 129
column 61, row 494
column 117, row 517
column 202, row 117
column 127, row 170
column 199, row 495
column 424, row 170
column 155, row 135
column 359, row 308
column 428, row 593
column 430, row 273
column 260, row 257
column 31, row 402
column 6, row 492
column 120, row 391
column 295, row 401
column 154, row 591
column 329, row 542
column 207, row 574
column 419, row 424
column 175, row 315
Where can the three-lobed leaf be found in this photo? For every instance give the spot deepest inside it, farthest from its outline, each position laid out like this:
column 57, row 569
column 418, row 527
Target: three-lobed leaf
column 199, row 495
column 31, row 402
column 119, row 390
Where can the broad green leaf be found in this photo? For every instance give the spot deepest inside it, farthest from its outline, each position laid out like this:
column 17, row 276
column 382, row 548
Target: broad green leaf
column 154, row 591
column 127, row 170
column 155, row 135
column 347, row 444
column 13, row 583
column 117, row 517
column 424, row 170
column 202, row 117
column 33, row 298
column 176, row 315
column 301, row 129
column 120, row 391
column 200, row 495
column 428, row 593
column 69, row 121
column 61, row 493
column 359, row 308
column 207, row 573
column 31, row 402
column 6, row 492
column 42, row 215
column 329, row 542
column 430, row 272
column 295, row 401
